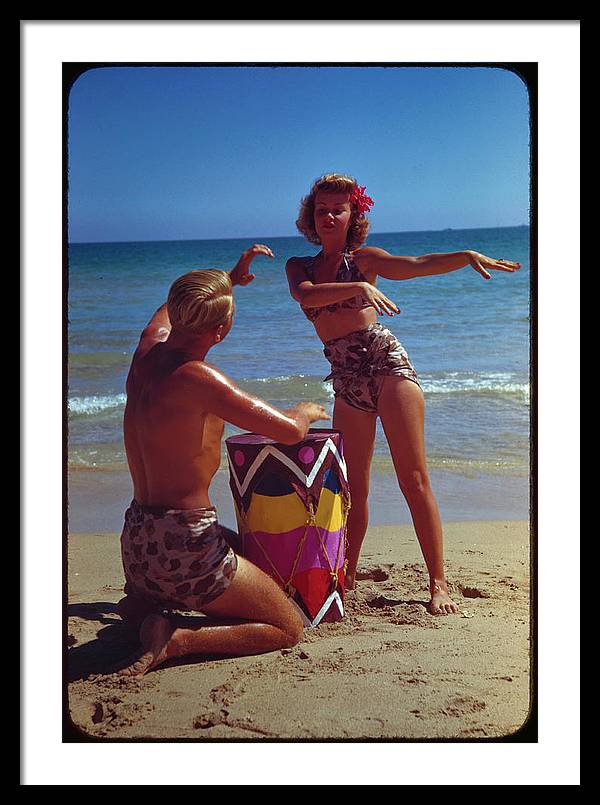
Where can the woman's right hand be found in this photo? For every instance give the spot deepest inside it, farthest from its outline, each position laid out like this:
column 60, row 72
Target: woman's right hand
column 379, row 300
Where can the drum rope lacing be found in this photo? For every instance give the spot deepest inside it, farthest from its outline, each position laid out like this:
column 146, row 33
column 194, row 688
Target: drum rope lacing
column 311, row 521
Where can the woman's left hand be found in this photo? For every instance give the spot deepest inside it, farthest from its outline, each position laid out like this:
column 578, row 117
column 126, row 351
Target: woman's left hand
column 483, row 265
column 239, row 274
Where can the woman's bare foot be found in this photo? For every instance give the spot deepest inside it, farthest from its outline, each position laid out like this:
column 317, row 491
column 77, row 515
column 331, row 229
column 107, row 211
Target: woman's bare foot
column 155, row 633
column 441, row 603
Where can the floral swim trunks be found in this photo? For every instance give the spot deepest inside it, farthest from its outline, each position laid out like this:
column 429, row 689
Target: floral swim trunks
column 178, row 558
column 360, row 361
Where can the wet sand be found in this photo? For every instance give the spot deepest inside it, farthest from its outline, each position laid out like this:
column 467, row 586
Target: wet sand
column 387, row 671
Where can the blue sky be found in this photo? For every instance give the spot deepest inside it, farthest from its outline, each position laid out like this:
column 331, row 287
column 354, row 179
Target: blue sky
column 177, row 153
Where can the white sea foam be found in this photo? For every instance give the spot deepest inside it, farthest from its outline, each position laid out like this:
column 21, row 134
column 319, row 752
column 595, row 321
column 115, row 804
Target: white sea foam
column 492, row 383
column 277, row 379
column 96, row 405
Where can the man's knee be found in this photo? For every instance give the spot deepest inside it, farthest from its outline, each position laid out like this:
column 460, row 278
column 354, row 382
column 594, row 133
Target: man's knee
column 294, row 630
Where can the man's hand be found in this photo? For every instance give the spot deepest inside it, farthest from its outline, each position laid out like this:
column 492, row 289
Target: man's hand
column 314, row 412
column 239, row 274
column 304, row 414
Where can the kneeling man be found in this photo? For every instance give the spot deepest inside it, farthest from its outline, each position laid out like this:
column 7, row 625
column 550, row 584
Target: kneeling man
column 175, row 553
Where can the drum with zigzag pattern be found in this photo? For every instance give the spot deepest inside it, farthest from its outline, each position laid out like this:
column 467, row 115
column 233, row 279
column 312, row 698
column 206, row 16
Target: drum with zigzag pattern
column 291, row 504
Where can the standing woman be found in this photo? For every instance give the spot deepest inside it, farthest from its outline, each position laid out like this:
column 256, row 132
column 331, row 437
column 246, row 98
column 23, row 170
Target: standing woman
column 371, row 372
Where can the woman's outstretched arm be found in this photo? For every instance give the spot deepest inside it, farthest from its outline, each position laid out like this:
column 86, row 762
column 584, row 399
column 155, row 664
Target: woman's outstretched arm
column 373, row 262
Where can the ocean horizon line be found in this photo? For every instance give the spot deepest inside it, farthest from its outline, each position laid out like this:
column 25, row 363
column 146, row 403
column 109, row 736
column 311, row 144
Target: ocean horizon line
column 288, row 237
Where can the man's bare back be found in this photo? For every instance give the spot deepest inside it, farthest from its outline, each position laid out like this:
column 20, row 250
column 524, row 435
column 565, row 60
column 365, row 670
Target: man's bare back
column 172, row 430
column 173, row 446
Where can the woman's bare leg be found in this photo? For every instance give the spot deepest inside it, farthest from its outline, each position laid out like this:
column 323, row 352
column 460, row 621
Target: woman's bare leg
column 402, row 410
column 358, row 432
column 267, row 621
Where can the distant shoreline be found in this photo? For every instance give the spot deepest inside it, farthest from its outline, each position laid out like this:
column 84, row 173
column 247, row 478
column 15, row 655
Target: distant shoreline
column 288, row 237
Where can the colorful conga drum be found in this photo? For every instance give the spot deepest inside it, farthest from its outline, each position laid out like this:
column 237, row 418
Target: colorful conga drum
column 291, row 504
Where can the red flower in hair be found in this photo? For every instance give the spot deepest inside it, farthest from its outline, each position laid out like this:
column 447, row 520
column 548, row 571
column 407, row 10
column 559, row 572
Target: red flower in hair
column 362, row 201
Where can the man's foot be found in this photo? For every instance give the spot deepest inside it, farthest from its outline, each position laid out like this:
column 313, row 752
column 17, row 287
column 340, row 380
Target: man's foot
column 155, row 633
column 441, row 603
column 134, row 609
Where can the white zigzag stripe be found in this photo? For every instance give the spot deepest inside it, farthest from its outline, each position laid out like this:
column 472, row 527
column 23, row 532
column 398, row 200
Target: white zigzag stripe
column 273, row 451
column 335, row 596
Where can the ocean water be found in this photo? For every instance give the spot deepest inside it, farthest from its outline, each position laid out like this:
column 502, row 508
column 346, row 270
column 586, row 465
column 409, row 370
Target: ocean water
column 468, row 338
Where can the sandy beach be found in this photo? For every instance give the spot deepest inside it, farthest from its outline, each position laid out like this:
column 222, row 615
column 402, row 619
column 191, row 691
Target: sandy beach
column 387, row 671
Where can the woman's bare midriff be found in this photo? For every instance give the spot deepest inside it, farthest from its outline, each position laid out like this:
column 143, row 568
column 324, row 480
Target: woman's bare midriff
column 343, row 321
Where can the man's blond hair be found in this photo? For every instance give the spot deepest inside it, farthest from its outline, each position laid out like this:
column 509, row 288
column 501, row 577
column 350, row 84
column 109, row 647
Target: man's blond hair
column 200, row 300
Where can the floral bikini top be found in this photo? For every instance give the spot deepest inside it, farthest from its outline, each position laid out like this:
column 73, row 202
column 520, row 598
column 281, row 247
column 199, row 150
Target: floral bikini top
column 347, row 272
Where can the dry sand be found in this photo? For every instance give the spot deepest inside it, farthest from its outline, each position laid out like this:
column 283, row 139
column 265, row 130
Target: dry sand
column 387, row 671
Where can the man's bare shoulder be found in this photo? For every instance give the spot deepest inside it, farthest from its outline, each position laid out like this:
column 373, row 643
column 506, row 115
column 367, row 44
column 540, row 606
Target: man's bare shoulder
column 216, row 393
column 155, row 332
column 205, row 377
column 201, row 372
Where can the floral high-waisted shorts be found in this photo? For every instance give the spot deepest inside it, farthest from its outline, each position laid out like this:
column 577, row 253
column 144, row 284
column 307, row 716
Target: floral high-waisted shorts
column 178, row 558
column 360, row 361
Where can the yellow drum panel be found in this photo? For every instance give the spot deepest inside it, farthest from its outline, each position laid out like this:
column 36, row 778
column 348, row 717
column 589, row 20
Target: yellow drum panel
column 279, row 514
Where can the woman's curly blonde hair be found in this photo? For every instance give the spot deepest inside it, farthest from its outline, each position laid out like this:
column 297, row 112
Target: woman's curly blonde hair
column 332, row 183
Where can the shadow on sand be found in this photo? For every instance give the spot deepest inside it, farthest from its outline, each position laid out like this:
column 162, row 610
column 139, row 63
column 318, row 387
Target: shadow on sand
column 115, row 645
